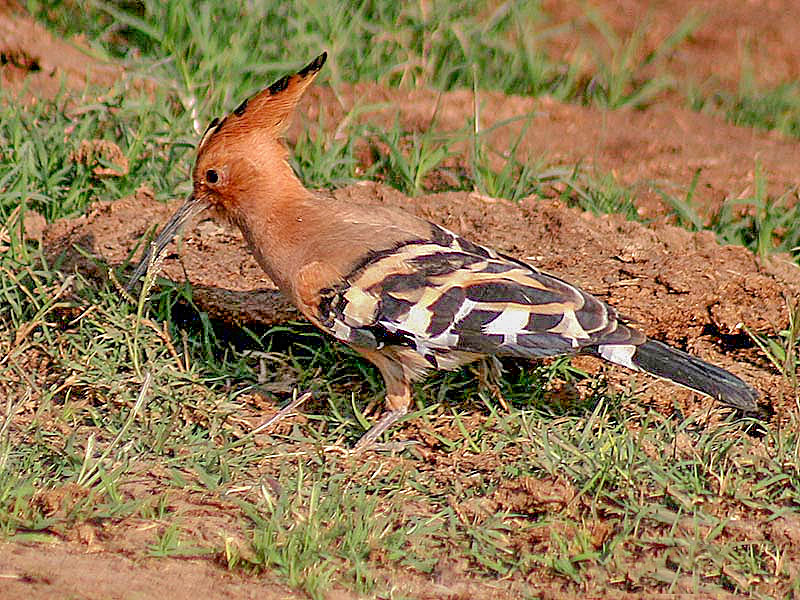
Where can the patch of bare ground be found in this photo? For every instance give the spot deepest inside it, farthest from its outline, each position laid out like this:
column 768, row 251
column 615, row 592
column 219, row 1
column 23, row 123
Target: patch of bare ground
column 732, row 33
column 680, row 287
column 660, row 148
column 36, row 63
column 67, row 570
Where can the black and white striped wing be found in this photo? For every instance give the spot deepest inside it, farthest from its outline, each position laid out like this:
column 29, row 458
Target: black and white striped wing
column 446, row 295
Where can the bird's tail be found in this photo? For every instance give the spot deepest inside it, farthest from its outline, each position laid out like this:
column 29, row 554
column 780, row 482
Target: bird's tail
column 684, row 369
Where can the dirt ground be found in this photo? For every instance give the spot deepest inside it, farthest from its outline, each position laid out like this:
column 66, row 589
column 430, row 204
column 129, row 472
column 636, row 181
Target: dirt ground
column 731, row 34
column 34, row 61
column 660, row 147
column 682, row 287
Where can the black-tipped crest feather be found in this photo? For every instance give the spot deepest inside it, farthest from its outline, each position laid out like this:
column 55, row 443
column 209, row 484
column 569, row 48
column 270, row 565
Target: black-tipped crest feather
column 310, row 69
column 239, row 110
column 280, row 85
column 314, row 66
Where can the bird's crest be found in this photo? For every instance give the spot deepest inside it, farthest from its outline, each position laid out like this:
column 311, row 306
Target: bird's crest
column 269, row 110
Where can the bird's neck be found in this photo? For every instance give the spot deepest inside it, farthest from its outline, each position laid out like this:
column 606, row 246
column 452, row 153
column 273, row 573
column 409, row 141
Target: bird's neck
column 281, row 230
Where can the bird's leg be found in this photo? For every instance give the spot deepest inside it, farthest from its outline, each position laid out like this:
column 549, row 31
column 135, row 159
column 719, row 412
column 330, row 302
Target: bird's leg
column 389, row 418
column 283, row 413
column 490, row 375
column 398, row 397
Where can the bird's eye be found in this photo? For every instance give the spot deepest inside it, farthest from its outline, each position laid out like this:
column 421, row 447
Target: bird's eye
column 212, row 176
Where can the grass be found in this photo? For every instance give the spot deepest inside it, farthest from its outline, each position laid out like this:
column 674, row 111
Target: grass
column 762, row 223
column 622, row 63
column 774, row 108
column 56, row 184
column 217, row 52
column 114, row 414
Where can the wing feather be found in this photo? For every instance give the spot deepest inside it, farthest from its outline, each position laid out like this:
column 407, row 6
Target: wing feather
column 448, row 295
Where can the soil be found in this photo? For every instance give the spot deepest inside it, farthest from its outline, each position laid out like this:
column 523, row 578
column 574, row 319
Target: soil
column 680, row 287
column 730, row 35
column 67, row 570
column 658, row 149
column 35, row 64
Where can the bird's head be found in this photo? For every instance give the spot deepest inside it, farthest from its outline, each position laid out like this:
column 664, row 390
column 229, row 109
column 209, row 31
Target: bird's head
column 241, row 159
column 244, row 152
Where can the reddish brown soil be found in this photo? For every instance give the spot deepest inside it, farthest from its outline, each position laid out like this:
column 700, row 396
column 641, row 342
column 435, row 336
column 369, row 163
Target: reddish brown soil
column 661, row 148
column 731, row 34
column 34, row 61
column 681, row 287
column 67, row 570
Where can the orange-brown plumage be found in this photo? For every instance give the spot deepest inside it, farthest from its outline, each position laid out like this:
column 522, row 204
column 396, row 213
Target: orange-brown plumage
column 409, row 295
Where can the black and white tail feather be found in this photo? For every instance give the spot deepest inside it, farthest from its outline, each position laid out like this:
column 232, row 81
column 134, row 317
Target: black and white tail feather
column 453, row 301
column 684, row 369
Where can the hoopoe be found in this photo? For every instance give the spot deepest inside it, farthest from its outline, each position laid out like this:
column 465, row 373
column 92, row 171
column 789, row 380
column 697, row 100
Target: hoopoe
column 407, row 294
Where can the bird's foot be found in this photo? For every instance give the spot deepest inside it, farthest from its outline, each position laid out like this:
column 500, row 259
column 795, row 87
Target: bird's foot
column 490, row 375
column 389, row 418
column 286, row 411
column 393, row 446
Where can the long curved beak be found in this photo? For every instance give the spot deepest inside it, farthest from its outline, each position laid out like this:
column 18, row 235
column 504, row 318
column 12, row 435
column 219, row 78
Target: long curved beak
column 188, row 209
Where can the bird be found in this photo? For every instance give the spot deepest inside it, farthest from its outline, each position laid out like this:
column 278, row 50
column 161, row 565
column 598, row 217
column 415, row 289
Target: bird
column 407, row 294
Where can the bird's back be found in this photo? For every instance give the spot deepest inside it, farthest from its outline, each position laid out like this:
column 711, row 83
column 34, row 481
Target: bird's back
column 400, row 280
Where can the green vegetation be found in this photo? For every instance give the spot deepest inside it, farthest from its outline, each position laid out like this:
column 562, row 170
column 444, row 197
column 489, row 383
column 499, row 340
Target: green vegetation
column 99, row 395
column 776, row 108
column 757, row 221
